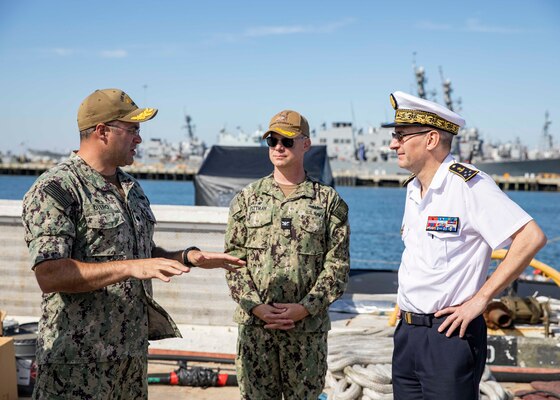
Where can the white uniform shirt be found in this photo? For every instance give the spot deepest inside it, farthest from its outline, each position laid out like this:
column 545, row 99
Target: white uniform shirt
column 443, row 268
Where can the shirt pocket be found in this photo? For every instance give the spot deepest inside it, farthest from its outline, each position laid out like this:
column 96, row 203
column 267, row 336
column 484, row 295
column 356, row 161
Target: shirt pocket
column 439, row 246
column 259, row 226
column 105, row 237
column 311, row 235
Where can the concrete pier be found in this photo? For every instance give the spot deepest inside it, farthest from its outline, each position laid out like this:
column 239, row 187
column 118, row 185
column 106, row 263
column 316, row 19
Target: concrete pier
column 543, row 182
column 521, row 183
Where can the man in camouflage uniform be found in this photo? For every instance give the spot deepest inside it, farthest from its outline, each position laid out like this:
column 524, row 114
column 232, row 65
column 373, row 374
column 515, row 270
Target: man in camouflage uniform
column 89, row 228
column 293, row 232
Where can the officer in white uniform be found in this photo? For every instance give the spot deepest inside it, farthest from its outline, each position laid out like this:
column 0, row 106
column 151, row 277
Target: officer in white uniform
column 454, row 217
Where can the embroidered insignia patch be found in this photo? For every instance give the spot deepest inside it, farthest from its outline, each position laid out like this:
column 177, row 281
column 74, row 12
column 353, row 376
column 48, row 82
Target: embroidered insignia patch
column 281, row 117
column 442, row 224
column 341, row 211
column 286, row 223
column 464, row 172
column 56, row 191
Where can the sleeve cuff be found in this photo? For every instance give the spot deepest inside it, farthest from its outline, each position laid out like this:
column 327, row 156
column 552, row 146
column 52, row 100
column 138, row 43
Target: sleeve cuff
column 48, row 248
column 312, row 305
column 248, row 304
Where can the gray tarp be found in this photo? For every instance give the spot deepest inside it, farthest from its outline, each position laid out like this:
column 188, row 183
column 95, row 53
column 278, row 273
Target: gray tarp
column 228, row 169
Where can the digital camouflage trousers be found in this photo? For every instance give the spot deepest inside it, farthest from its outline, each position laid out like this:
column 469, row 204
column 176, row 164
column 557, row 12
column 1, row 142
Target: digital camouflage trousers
column 273, row 363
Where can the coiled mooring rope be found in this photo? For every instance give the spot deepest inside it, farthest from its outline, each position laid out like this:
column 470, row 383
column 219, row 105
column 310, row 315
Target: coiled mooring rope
column 359, row 367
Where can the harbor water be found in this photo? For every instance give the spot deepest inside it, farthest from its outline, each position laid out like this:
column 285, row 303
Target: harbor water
column 375, row 216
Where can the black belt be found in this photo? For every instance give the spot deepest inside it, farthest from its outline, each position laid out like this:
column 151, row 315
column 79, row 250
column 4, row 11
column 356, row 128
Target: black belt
column 418, row 319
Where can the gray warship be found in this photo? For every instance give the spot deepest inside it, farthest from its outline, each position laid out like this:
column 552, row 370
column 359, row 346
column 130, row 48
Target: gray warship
column 367, row 150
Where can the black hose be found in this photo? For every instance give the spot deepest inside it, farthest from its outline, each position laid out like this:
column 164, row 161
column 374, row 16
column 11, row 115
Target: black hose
column 197, row 377
column 172, row 357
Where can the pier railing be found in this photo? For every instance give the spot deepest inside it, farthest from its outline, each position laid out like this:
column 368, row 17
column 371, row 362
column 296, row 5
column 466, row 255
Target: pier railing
column 183, row 172
column 179, row 172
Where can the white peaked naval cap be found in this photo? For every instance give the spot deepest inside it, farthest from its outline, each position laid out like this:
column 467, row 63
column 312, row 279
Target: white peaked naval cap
column 412, row 110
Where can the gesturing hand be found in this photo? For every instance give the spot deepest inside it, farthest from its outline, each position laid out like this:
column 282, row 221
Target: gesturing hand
column 210, row 260
column 160, row 268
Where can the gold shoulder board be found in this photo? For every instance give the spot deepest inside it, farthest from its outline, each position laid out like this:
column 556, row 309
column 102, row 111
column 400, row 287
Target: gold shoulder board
column 407, row 180
column 464, row 172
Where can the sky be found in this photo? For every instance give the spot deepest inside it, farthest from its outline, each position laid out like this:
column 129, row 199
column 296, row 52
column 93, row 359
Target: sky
column 235, row 64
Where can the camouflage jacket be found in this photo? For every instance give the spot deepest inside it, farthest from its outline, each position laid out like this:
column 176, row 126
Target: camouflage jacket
column 296, row 248
column 73, row 212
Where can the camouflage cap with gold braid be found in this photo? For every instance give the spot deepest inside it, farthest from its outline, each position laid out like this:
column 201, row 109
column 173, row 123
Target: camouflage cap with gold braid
column 412, row 110
column 111, row 105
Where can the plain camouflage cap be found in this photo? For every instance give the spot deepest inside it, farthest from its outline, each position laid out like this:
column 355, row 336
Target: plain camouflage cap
column 111, row 105
column 289, row 124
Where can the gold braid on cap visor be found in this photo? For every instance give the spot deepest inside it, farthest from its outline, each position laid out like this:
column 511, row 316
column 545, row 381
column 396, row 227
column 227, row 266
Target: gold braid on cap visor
column 425, row 118
column 285, row 132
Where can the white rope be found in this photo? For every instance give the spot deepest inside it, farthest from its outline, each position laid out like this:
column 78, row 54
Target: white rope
column 360, row 378
column 345, row 390
column 373, row 395
column 359, row 367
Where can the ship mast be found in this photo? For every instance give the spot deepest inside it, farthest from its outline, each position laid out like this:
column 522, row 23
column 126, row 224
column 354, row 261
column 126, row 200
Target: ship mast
column 189, row 127
column 547, row 137
column 420, row 77
column 447, row 90
column 446, row 83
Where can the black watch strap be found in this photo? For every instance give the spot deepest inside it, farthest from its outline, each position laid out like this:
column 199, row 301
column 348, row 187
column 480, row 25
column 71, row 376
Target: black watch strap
column 186, row 256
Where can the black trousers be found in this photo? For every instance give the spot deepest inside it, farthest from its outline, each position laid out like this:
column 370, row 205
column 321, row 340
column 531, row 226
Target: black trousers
column 428, row 365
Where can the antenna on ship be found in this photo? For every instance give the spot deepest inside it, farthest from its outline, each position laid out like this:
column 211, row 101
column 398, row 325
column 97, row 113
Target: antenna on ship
column 446, row 83
column 547, row 137
column 420, row 77
column 447, row 90
column 188, row 126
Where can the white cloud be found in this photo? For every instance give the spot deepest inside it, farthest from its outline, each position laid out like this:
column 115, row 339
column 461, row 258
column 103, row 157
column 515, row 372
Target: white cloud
column 474, row 25
column 119, row 53
column 59, row 51
column 279, row 30
column 471, row 25
column 260, row 31
column 67, row 52
column 431, row 26
column 273, row 30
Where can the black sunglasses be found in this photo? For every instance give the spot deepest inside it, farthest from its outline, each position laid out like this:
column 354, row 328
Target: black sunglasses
column 400, row 136
column 286, row 142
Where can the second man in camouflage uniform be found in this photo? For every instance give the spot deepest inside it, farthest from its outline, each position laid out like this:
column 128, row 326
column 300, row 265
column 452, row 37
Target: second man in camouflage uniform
column 293, row 232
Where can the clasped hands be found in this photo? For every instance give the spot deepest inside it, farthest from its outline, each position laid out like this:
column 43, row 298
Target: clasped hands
column 282, row 316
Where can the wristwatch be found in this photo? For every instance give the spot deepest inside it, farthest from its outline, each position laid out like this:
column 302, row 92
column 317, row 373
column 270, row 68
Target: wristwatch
column 186, row 261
